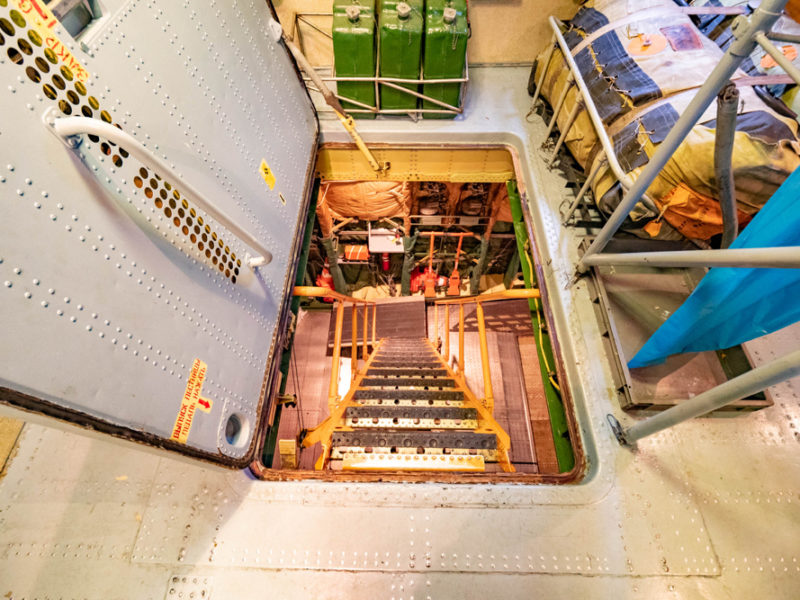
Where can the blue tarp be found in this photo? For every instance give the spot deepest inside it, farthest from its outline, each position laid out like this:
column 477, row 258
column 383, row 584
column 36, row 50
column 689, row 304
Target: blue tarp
column 731, row 306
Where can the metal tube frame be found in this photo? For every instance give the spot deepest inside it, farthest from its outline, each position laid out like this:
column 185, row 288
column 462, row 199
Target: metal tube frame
column 390, row 81
column 727, row 107
column 573, row 115
column 447, row 333
column 623, row 178
column 748, row 31
column 354, row 347
column 599, row 163
column 461, row 340
column 562, row 97
column 786, row 257
column 488, row 394
column 748, row 383
column 333, row 387
column 310, row 292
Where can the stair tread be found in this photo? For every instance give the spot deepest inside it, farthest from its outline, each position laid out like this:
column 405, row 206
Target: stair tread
column 466, row 440
column 429, row 382
column 376, row 393
column 389, row 373
column 411, row 412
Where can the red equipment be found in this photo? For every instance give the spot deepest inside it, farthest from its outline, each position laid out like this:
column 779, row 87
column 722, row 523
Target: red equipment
column 454, row 289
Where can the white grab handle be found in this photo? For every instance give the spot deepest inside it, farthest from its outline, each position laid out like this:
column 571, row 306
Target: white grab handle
column 66, row 127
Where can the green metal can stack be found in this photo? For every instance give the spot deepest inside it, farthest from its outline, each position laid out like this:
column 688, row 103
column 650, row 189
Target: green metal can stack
column 446, row 35
column 354, row 51
column 401, row 25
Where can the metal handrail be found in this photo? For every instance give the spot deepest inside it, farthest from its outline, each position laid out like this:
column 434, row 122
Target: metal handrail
column 488, row 394
column 67, row 128
column 608, row 146
column 748, row 32
column 310, row 291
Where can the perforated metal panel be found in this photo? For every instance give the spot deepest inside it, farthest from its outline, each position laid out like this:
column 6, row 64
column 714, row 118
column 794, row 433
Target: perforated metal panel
column 113, row 285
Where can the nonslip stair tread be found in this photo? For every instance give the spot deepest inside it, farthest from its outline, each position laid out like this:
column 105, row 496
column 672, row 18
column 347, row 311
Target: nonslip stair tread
column 411, row 412
column 423, row 382
column 467, row 440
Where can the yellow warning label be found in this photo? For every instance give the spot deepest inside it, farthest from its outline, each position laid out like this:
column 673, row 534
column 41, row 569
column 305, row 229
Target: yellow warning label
column 267, row 174
column 192, row 400
column 42, row 20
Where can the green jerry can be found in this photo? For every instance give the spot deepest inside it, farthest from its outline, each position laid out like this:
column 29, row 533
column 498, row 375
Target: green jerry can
column 354, row 51
column 446, row 34
column 400, row 48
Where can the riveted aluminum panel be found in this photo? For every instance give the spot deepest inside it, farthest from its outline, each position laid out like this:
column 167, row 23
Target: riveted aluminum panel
column 709, row 509
column 107, row 303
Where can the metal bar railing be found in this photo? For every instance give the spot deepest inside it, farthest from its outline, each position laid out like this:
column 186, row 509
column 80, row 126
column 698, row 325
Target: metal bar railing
column 748, row 31
column 364, row 353
column 602, row 135
column 321, row 292
column 333, row 386
column 488, row 393
column 68, row 128
column 786, row 257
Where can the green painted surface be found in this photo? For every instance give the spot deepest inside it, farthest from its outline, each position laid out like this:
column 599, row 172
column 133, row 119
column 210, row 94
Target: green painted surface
column 271, row 440
column 354, row 52
column 544, row 349
column 401, row 48
column 445, row 53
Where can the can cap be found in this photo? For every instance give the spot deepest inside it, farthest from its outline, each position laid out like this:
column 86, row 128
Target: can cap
column 353, row 12
column 403, row 10
column 449, row 14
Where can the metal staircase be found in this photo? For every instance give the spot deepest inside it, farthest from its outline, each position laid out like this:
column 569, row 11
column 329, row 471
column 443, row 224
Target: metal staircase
column 406, row 409
column 410, row 412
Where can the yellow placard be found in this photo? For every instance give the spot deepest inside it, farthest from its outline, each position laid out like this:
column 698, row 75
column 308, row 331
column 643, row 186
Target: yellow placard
column 192, row 400
column 267, row 174
column 42, row 20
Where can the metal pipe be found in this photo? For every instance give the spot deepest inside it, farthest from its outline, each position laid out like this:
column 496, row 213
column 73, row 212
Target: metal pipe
column 447, row 333
column 601, row 160
column 742, row 386
column 65, row 127
column 333, row 388
column 461, row 339
column 727, row 106
column 779, row 56
column 763, row 18
column 564, row 130
column 562, row 97
column 512, row 294
column 488, row 395
column 545, row 66
column 436, row 321
column 391, row 111
column 422, row 96
column 786, row 257
column 331, row 100
column 625, row 181
column 783, row 37
column 393, row 79
column 374, row 323
column 364, row 353
column 354, row 347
